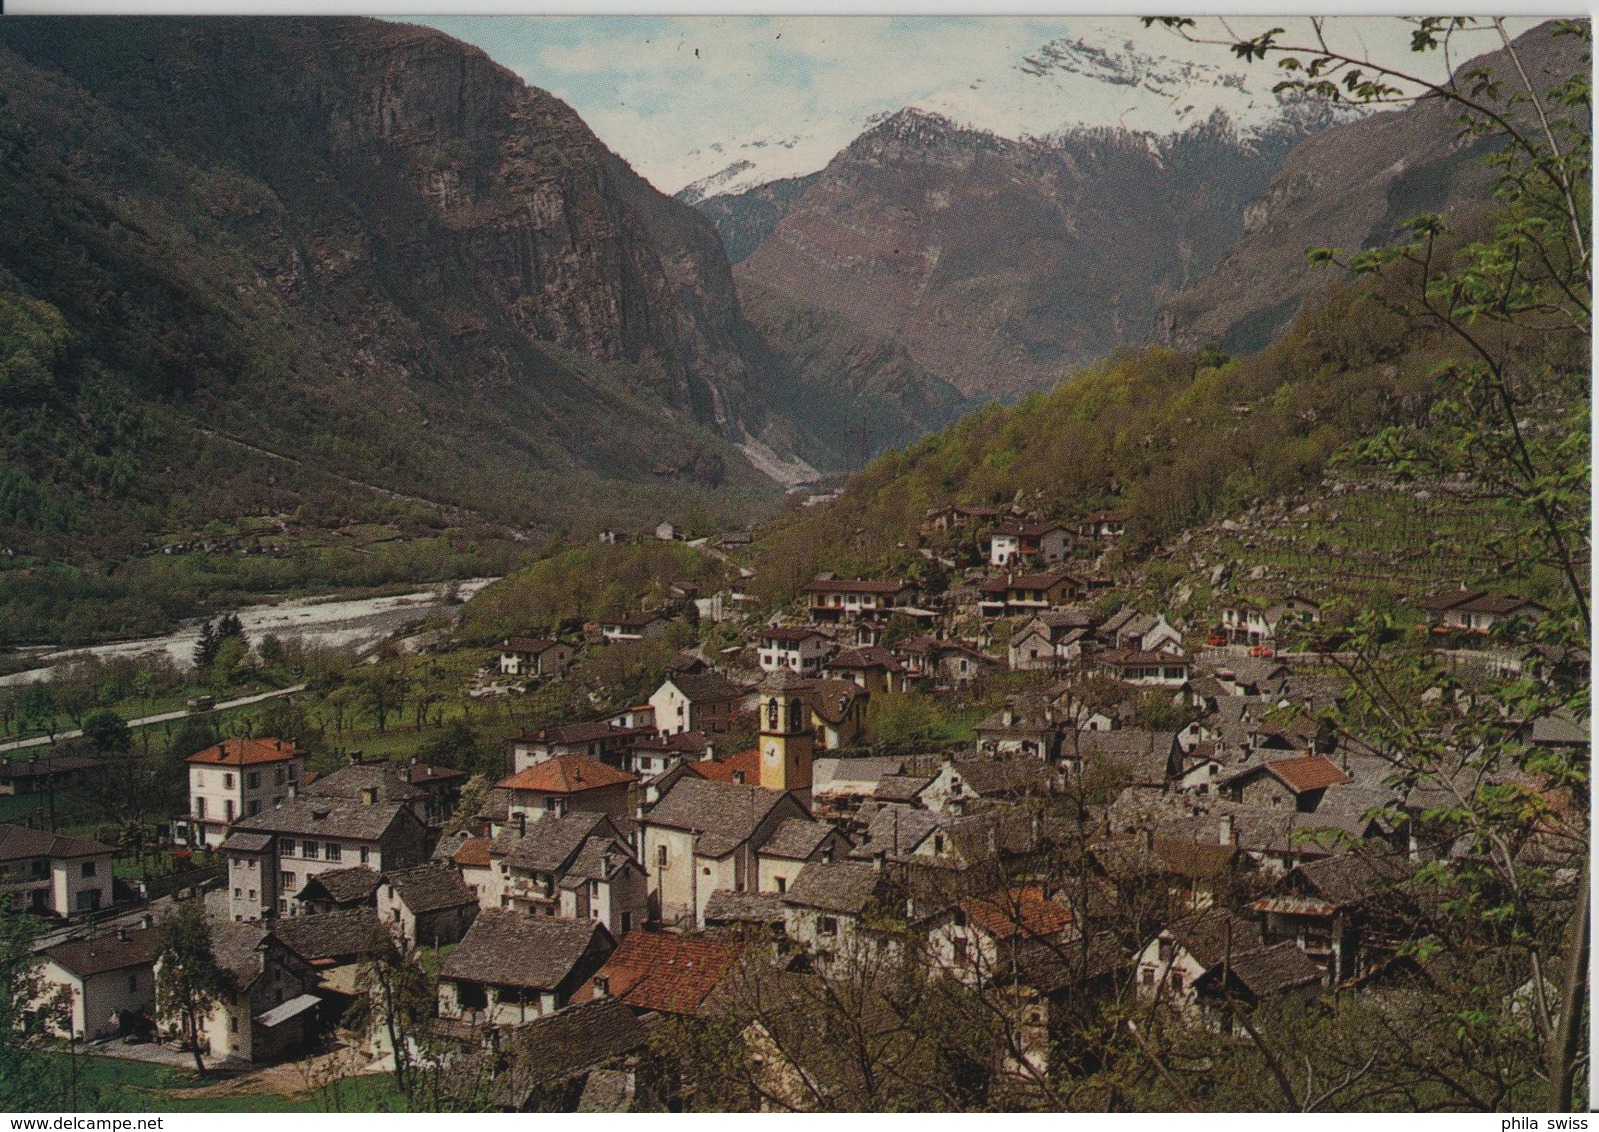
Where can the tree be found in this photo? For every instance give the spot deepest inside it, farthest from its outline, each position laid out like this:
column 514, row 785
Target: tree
column 29, row 1015
column 107, row 732
column 1511, row 418
column 395, row 999
column 381, row 691
column 191, row 981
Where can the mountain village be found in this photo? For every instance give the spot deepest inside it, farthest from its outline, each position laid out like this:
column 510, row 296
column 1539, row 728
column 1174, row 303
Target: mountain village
column 1155, row 808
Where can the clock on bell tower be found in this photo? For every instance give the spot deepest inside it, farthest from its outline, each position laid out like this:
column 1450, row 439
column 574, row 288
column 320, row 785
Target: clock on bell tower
column 785, row 735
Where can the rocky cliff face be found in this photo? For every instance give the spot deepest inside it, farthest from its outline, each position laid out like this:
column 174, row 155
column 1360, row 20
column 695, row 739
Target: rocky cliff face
column 1350, row 187
column 1000, row 264
column 367, row 246
column 745, row 219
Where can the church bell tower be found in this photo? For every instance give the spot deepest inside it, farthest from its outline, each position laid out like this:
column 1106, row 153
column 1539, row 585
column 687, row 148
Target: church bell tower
column 785, row 738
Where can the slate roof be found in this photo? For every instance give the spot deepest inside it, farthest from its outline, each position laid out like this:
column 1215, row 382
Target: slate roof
column 87, row 957
column 589, row 864
column 1274, row 969
column 241, row 842
column 796, row 839
column 517, row 950
column 593, row 731
column 328, row 817
column 1346, row 879
column 850, row 776
column 247, row 752
column 837, row 585
column 532, row 645
column 901, row 787
column 551, row 842
column 871, row 657
column 567, row 774
column 786, row 636
column 1015, row 774
column 832, row 699
column 333, row 936
column 18, row 842
column 1449, row 599
column 343, row 886
column 237, row 948
column 1561, row 728
column 669, row 973
column 729, row 906
column 1209, row 934
column 430, row 887
column 36, row 767
column 1145, row 755
column 706, row 687
column 896, row 830
column 724, row 815
column 565, row 1045
column 838, row 886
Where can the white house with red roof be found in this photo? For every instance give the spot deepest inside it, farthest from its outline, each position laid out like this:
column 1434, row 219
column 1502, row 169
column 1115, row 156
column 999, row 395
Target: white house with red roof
column 239, row 778
column 566, row 784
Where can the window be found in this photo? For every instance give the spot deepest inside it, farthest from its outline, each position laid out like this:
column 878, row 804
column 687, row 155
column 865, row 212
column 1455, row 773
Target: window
column 233, row 1024
column 88, row 869
column 627, row 921
column 252, row 894
column 238, row 894
column 255, row 807
column 286, row 847
column 660, row 855
column 308, row 849
column 88, row 900
column 1167, row 949
column 286, row 878
column 227, row 781
column 254, row 780
column 227, row 810
column 828, row 926
column 938, row 842
column 365, row 854
column 283, row 907
column 960, row 950
column 133, row 984
column 199, row 778
column 281, row 777
column 782, row 885
column 199, row 807
column 332, row 851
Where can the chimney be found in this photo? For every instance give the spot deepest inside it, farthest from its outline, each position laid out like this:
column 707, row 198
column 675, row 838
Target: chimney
column 294, row 790
column 827, row 854
column 413, row 760
column 602, row 986
column 147, row 921
column 710, row 753
column 1228, row 835
column 877, row 860
column 605, row 866
column 122, row 934
column 355, row 758
column 521, row 823
column 738, row 777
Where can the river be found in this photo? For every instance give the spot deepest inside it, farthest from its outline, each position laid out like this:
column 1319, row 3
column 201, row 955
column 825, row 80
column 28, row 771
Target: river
column 358, row 622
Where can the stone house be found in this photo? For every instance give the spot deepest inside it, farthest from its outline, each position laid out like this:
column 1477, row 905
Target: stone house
column 796, row 844
column 702, row 837
column 513, row 968
column 604, row 740
column 801, row 651
column 706, row 702
column 272, row 855
column 533, row 656
column 837, row 599
column 427, row 905
column 272, row 1008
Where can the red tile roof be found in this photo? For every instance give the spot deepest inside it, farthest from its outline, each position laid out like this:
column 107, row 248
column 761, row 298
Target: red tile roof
column 851, row 586
column 567, row 774
column 473, row 854
column 669, row 973
column 1308, row 772
column 747, row 763
column 248, row 752
column 1018, row 911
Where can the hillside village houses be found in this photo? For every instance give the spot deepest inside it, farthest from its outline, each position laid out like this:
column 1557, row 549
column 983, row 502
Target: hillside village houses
column 747, row 813
column 238, row 778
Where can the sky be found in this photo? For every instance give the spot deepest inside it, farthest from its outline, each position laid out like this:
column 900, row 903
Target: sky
column 681, row 97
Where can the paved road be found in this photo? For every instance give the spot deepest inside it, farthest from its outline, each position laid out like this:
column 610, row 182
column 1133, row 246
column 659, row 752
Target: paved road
column 165, row 717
